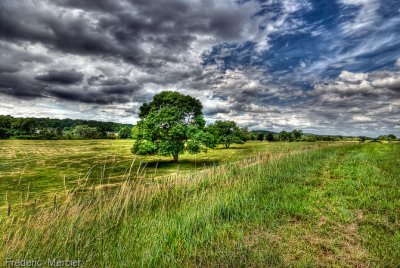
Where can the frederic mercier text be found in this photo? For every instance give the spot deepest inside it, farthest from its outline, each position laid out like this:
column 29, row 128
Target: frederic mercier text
column 42, row 263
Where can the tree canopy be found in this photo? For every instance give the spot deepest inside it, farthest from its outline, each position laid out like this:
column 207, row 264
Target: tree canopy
column 227, row 133
column 171, row 124
column 260, row 136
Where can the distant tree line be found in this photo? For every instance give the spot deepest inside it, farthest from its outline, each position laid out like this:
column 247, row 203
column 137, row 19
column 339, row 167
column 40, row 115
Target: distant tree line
column 225, row 133
column 49, row 128
column 298, row 135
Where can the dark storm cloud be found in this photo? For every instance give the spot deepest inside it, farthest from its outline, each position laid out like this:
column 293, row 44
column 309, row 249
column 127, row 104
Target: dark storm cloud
column 8, row 68
column 102, row 80
column 90, row 98
column 37, row 22
column 12, row 58
column 119, row 29
column 103, row 93
column 20, row 86
column 96, row 5
column 119, row 89
column 216, row 110
column 61, row 77
column 146, row 34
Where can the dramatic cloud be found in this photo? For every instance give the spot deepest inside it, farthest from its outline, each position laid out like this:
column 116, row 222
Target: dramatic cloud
column 61, row 77
column 364, row 102
column 323, row 66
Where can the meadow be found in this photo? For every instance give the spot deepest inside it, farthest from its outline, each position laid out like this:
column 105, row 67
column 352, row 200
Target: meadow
column 38, row 169
column 276, row 205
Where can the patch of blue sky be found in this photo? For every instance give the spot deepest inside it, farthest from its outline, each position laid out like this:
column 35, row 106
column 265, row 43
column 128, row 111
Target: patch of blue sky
column 320, row 46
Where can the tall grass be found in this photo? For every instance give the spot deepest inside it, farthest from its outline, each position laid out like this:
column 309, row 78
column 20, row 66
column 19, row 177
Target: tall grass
column 247, row 213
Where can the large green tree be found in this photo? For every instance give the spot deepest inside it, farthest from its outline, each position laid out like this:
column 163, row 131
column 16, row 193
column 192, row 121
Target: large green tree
column 169, row 125
column 228, row 133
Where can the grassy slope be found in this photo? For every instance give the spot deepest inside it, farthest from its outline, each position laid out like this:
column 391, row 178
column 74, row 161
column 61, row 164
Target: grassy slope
column 40, row 166
column 336, row 206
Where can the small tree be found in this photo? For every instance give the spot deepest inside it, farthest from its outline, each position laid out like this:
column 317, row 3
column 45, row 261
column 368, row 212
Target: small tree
column 392, row 137
column 228, row 133
column 124, row 133
column 310, row 138
column 111, row 136
column 171, row 124
column 361, row 139
column 284, row 136
column 252, row 136
column 383, row 138
column 85, row 132
column 269, row 137
column 260, row 137
column 296, row 135
column 245, row 134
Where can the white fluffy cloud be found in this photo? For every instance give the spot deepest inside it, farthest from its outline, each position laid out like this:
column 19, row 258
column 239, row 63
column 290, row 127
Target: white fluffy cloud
column 352, row 77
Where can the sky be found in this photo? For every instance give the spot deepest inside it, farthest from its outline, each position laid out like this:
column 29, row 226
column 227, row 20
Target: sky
column 323, row 66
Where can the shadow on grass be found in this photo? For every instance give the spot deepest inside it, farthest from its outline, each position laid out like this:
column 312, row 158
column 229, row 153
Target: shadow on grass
column 183, row 162
column 230, row 148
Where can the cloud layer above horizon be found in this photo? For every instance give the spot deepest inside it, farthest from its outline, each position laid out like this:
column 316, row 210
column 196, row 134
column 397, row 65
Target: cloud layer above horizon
column 327, row 67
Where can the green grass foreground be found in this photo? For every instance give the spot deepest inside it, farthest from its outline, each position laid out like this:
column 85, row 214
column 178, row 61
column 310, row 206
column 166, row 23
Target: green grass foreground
column 336, row 205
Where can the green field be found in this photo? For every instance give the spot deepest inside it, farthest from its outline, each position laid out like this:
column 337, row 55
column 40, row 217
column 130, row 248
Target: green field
column 294, row 204
column 39, row 167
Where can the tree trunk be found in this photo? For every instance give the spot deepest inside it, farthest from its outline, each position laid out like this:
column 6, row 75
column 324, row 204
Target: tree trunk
column 175, row 158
